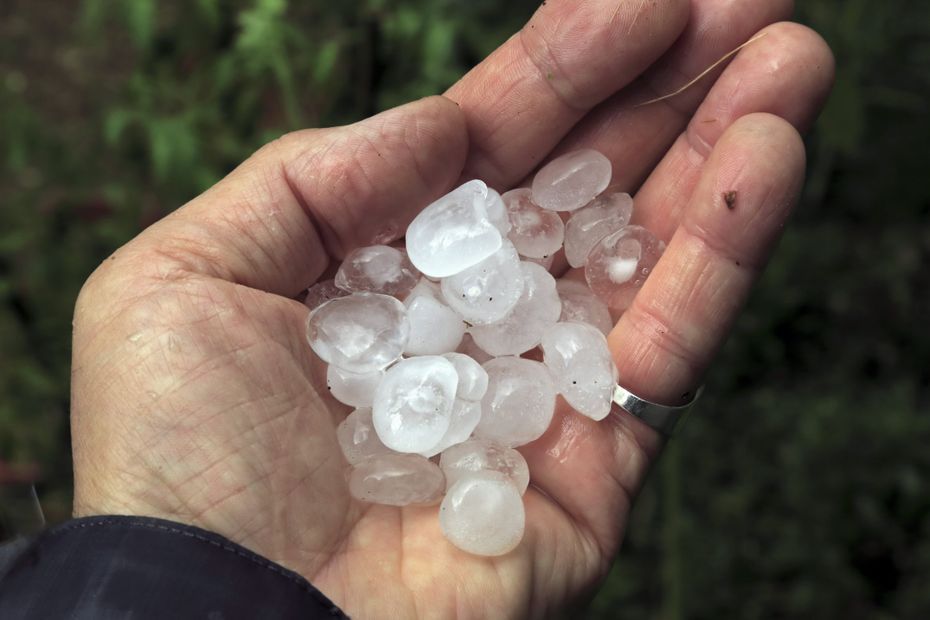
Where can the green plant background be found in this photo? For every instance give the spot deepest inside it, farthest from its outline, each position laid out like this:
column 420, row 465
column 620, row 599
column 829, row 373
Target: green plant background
column 799, row 489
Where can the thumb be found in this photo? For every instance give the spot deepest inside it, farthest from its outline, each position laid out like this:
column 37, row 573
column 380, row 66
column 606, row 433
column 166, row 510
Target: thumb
column 273, row 223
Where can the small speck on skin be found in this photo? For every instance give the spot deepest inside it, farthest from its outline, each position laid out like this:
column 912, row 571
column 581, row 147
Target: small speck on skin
column 729, row 198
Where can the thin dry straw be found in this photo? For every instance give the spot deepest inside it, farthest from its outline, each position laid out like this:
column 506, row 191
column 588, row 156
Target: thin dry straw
column 724, row 58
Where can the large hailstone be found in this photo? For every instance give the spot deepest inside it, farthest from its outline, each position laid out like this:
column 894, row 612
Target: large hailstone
column 397, row 480
column 361, row 333
column 581, row 305
column 571, row 181
column 483, row 515
column 378, row 269
column 476, row 456
column 453, row 233
column 434, row 327
column 581, row 366
column 356, row 390
column 357, row 437
column 619, row 265
column 519, row 403
column 486, row 292
column 521, row 330
column 535, row 233
column 413, row 404
column 606, row 214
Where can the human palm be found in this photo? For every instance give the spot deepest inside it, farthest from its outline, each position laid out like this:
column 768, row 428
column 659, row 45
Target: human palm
column 196, row 398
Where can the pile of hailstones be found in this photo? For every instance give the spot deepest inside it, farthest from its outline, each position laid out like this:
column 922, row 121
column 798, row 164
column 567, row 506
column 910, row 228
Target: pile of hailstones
column 426, row 343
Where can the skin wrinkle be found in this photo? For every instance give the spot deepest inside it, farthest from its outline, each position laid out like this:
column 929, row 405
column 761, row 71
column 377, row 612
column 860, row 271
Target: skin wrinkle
column 550, row 74
column 302, row 166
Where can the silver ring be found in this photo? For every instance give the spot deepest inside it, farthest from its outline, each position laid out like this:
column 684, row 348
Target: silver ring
column 658, row 417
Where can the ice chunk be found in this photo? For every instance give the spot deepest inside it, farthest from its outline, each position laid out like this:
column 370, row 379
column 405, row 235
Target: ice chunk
column 434, row 327
column 484, row 516
column 378, row 269
column 486, row 292
column 396, row 480
column 361, row 333
column 521, row 330
column 581, row 366
column 581, row 305
column 606, row 214
column 619, row 265
column 357, row 438
column 465, row 417
column 351, row 388
column 519, row 403
column 534, row 232
column 453, row 233
column 571, row 181
column 473, row 379
column 413, row 403
column 321, row 292
column 475, row 456
column 497, row 211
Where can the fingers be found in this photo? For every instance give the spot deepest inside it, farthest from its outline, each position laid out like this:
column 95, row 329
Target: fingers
column 684, row 311
column 663, row 343
column 788, row 73
column 571, row 55
column 635, row 138
column 275, row 220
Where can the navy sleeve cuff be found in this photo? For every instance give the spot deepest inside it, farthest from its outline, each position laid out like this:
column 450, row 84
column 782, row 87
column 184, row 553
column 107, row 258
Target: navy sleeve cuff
column 141, row 567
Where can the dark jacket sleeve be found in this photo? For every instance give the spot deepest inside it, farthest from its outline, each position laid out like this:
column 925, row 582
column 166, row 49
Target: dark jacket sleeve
column 140, row 568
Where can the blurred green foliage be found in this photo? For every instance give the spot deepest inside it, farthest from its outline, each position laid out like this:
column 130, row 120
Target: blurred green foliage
column 801, row 488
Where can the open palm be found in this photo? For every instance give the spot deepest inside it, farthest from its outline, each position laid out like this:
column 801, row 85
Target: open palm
column 196, row 398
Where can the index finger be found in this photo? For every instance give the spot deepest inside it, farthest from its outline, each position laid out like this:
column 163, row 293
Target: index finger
column 571, row 55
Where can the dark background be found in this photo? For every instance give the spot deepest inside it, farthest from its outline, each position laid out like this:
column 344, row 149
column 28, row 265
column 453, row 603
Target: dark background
column 801, row 487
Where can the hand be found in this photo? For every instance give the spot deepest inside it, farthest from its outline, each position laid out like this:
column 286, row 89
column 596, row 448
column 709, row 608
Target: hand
column 193, row 397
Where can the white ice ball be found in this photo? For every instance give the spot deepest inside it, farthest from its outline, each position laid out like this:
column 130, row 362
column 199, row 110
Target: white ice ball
column 396, row 480
column 453, row 233
column 606, row 214
column 357, row 437
column 535, row 232
column 519, row 403
column 483, row 515
column 361, row 333
column 378, row 269
column 486, row 292
column 620, row 263
column 413, row 403
column 571, row 181
column 434, row 327
column 475, row 456
column 537, row 309
column 581, row 305
column 581, row 367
